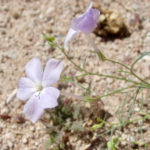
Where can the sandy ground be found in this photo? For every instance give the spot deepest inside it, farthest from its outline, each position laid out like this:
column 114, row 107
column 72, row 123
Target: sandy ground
column 21, row 26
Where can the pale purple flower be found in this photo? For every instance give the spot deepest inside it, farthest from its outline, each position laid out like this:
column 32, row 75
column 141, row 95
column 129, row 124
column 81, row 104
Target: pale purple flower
column 37, row 87
column 85, row 23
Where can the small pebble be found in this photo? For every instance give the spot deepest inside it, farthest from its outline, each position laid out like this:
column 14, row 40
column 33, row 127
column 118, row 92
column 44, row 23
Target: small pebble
column 5, row 110
column 20, row 119
column 15, row 15
column 25, row 140
column 5, row 116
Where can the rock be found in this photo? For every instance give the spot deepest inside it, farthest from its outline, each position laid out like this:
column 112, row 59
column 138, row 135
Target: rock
column 47, row 46
column 36, row 143
column 38, row 128
column 5, row 116
column 107, row 2
column 81, row 80
column 3, row 21
column 25, row 140
column 5, row 8
column 48, row 29
column 1, row 129
column 15, row 14
column 9, row 136
column 32, row 128
column 111, row 22
column 20, row 119
column 5, row 110
column 35, row 13
column 3, row 32
column 41, row 16
column 10, row 144
column 5, row 147
column 50, row 10
column 14, row 126
column 12, row 54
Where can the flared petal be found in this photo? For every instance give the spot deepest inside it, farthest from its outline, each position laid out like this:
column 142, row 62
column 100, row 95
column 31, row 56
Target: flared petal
column 90, row 6
column 71, row 34
column 48, row 98
column 34, row 70
column 25, row 89
column 32, row 109
column 96, row 14
column 52, row 72
column 87, row 22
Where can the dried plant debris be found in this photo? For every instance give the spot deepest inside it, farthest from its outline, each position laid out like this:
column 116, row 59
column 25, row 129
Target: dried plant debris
column 136, row 22
column 111, row 25
column 5, row 116
column 72, row 122
column 19, row 119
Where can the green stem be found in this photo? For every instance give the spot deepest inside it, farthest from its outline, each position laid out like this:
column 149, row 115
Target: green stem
column 131, row 69
column 111, row 93
column 109, row 76
column 89, row 73
column 96, row 49
column 113, row 77
column 116, row 62
column 133, row 121
column 147, row 84
column 132, row 105
column 110, row 60
column 132, row 66
column 117, row 91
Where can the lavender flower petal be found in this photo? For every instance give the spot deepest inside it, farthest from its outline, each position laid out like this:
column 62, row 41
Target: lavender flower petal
column 49, row 97
column 71, row 34
column 34, row 70
column 90, row 6
column 35, row 87
column 25, row 89
column 52, row 71
column 32, row 109
column 96, row 14
column 87, row 22
column 75, row 22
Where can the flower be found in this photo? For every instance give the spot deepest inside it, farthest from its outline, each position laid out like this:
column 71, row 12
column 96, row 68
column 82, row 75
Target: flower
column 85, row 23
column 37, row 87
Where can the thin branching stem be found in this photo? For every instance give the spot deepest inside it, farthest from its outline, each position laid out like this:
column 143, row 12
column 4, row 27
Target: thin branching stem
column 132, row 66
column 112, row 92
column 90, row 73
column 116, row 62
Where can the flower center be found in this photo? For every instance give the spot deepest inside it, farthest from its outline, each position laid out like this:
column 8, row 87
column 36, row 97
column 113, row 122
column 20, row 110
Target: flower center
column 39, row 87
